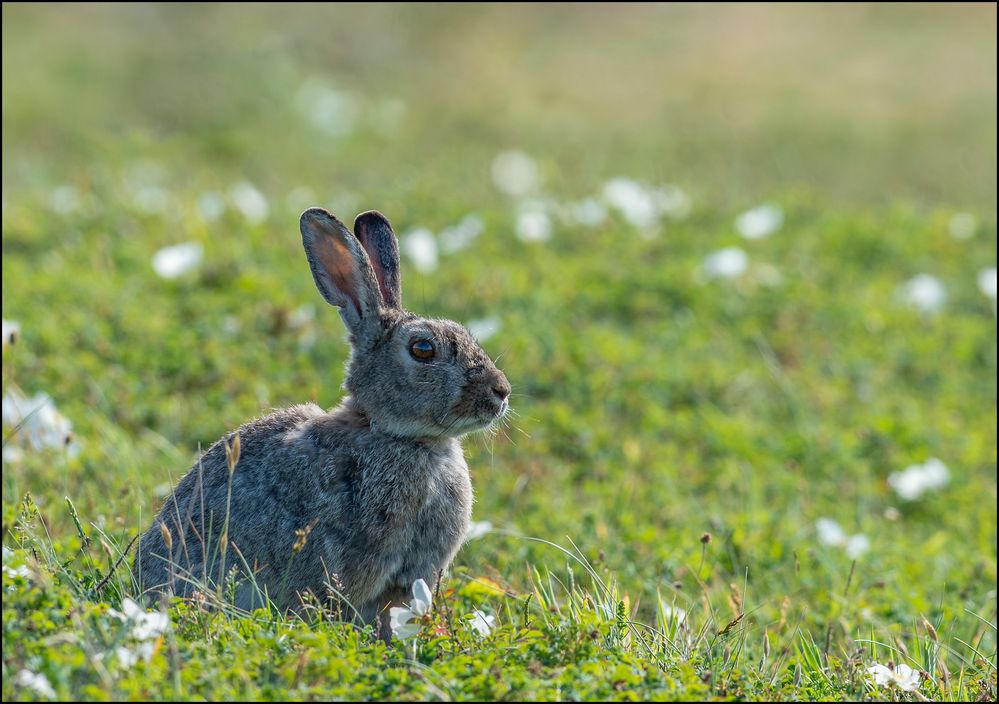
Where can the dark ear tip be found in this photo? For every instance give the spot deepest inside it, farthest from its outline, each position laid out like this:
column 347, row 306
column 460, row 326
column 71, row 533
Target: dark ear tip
column 371, row 218
column 317, row 217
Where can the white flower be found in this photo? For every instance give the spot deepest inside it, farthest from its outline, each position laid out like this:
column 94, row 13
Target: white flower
column 421, row 248
column 150, row 199
column 484, row 328
column 672, row 614
column 12, row 330
column 175, row 261
column 405, row 620
column 144, row 630
column 533, row 222
column 857, row 545
column 672, row 201
column 302, row 316
column 249, row 201
column 832, row 534
column 986, row 284
column 915, row 480
column 22, row 571
column 728, row 263
column 211, row 205
column 12, row 454
column 636, row 203
column 39, row 424
column 760, row 222
column 64, row 199
column 515, row 173
column 332, row 111
column 146, row 625
column 962, row 226
column 478, row 529
column 903, row 677
column 481, row 623
column 925, row 293
column 37, row 683
column 461, row 235
column 589, row 212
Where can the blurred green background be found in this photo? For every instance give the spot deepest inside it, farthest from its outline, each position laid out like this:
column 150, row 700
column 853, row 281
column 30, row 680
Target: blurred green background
column 655, row 402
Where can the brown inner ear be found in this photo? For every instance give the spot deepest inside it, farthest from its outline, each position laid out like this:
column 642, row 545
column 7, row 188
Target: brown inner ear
column 337, row 259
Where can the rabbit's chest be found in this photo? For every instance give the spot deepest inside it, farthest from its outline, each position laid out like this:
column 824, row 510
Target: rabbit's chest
column 423, row 518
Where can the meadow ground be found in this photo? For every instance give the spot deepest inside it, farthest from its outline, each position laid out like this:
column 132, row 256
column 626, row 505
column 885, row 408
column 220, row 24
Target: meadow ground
column 568, row 182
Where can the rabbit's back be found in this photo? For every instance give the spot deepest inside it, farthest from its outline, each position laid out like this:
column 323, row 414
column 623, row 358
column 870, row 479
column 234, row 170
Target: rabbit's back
column 254, row 506
column 317, row 500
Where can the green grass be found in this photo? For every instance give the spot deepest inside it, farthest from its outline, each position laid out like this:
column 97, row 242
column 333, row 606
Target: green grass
column 654, row 405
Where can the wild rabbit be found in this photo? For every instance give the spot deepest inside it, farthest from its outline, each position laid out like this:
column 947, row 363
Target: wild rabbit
column 358, row 502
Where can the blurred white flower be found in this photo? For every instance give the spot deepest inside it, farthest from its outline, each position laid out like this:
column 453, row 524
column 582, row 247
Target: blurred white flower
column 39, row 424
column 962, row 226
column 177, row 260
column 460, row 235
column 924, row 292
column 903, row 677
column 64, row 199
column 150, row 198
column 671, row 614
column 642, row 205
column 211, row 205
column 482, row 623
column 300, row 197
column 302, row 316
column 588, row 212
column 405, row 620
column 12, row 330
column 857, row 545
column 478, row 529
column 484, row 328
column 915, row 480
column 635, row 201
column 12, row 454
column 986, row 284
column 249, row 201
column 515, row 173
column 727, row 263
column 421, row 248
column 37, row 683
column 832, row 534
column 145, row 629
column 146, row 625
column 672, row 201
column 760, row 222
column 387, row 115
column 533, row 222
column 326, row 108
column 21, row 571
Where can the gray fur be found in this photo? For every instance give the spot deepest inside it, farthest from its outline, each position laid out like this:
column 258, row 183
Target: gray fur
column 381, row 479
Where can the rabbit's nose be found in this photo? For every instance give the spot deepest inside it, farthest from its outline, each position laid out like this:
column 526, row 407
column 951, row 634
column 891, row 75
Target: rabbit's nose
column 501, row 388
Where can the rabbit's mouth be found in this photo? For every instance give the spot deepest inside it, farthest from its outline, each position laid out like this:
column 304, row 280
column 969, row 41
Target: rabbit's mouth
column 479, row 421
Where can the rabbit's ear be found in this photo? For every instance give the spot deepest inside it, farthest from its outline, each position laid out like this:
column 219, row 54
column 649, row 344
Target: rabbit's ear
column 341, row 269
column 376, row 236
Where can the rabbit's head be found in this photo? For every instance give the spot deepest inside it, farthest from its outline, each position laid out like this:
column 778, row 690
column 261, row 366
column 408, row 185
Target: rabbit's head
column 412, row 376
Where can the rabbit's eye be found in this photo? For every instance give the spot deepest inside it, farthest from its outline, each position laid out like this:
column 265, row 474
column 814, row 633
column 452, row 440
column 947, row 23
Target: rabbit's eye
column 422, row 349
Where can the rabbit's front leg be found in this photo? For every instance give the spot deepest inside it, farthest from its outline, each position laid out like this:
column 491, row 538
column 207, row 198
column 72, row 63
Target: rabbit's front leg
column 378, row 614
